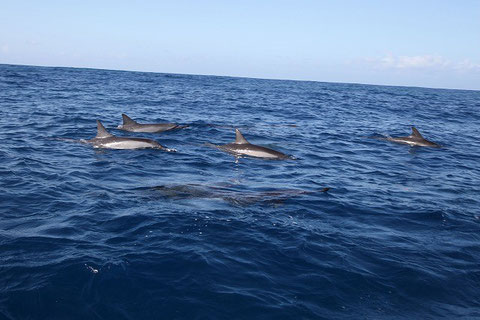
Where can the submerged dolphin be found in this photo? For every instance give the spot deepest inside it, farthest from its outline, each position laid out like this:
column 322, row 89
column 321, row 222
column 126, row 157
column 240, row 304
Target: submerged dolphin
column 106, row 140
column 242, row 147
column 415, row 139
column 133, row 126
column 229, row 194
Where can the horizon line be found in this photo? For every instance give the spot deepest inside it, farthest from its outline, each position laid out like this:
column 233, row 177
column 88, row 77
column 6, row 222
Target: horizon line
column 240, row 77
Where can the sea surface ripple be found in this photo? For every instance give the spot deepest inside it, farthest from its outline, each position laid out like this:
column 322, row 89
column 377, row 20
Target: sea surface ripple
column 146, row 234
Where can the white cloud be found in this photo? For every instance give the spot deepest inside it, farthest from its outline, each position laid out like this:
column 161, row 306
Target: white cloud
column 4, row 48
column 467, row 65
column 432, row 62
column 33, row 42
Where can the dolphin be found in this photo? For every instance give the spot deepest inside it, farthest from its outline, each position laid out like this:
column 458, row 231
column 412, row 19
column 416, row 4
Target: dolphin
column 229, row 194
column 415, row 139
column 133, row 126
column 104, row 139
column 241, row 147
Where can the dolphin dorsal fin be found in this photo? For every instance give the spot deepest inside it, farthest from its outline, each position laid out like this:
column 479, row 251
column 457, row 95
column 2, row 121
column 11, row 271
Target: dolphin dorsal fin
column 101, row 131
column 239, row 139
column 415, row 133
column 127, row 120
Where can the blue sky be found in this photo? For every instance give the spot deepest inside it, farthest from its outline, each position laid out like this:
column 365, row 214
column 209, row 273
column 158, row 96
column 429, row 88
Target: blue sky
column 412, row 43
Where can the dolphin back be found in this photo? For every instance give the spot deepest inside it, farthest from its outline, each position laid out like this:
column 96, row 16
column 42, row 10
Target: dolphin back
column 416, row 133
column 127, row 120
column 101, row 131
column 239, row 139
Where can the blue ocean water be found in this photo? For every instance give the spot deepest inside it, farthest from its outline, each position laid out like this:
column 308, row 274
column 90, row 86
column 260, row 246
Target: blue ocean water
column 147, row 234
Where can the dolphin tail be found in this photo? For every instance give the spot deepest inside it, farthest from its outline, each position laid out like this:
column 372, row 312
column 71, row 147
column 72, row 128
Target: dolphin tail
column 181, row 126
column 127, row 120
column 101, row 131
